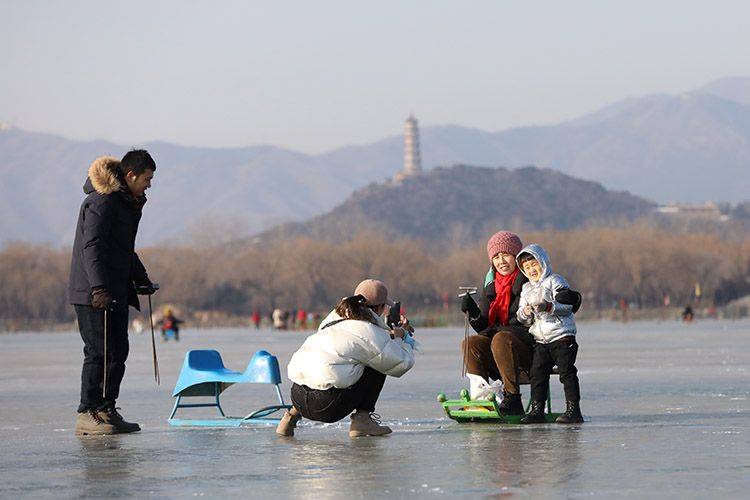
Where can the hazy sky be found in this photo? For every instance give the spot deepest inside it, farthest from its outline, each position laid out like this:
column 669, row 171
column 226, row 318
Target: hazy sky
column 315, row 75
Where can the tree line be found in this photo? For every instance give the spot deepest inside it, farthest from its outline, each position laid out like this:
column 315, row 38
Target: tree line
column 639, row 264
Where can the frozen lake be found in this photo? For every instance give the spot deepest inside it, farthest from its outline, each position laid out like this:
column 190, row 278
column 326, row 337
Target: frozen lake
column 666, row 406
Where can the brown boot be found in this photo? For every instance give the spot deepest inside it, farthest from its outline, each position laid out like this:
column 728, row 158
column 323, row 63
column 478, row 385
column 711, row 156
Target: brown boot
column 89, row 423
column 112, row 416
column 367, row 424
column 288, row 422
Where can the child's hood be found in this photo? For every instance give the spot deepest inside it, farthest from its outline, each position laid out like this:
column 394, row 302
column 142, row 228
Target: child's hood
column 540, row 255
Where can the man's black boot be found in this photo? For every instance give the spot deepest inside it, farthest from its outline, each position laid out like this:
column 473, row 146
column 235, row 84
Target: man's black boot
column 110, row 415
column 572, row 414
column 536, row 414
column 510, row 405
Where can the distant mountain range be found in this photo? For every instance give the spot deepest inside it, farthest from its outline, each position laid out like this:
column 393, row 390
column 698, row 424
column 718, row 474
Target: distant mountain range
column 463, row 204
column 733, row 88
column 692, row 147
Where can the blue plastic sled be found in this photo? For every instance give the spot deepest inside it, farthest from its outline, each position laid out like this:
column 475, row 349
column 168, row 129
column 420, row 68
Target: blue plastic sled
column 204, row 375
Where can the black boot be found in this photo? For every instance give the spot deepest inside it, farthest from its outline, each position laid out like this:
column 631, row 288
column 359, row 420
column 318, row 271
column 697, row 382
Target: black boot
column 536, row 414
column 572, row 414
column 110, row 415
column 510, row 405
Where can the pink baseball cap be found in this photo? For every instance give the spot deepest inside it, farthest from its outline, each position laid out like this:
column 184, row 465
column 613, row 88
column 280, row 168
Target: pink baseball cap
column 374, row 291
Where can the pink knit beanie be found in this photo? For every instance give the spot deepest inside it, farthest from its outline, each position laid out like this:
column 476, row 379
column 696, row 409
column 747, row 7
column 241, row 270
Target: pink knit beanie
column 504, row 241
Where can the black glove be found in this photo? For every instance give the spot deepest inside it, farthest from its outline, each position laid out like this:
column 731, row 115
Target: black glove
column 569, row 297
column 469, row 306
column 100, row 298
column 147, row 289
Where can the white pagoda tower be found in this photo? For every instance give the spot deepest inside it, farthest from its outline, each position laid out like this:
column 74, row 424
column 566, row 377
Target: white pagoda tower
column 412, row 159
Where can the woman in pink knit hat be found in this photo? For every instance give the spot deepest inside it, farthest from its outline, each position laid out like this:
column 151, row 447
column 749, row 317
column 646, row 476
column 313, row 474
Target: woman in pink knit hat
column 503, row 347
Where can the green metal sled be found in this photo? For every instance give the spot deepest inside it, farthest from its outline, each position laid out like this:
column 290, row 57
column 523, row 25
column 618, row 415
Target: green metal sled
column 465, row 409
column 484, row 410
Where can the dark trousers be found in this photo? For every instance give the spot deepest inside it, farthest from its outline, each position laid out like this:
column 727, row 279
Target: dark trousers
column 331, row 405
column 91, row 326
column 562, row 353
column 505, row 356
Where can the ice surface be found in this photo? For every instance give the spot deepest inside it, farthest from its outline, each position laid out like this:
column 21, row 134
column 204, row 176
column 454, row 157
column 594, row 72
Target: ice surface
column 666, row 406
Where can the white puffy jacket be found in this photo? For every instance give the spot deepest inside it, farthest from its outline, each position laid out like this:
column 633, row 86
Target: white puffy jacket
column 336, row 356
column 547, row 326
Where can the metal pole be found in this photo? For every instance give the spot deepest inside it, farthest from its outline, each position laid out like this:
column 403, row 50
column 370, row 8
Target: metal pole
column 466, row 290
column 466, row 344
column 104, row 382
column 153, row 342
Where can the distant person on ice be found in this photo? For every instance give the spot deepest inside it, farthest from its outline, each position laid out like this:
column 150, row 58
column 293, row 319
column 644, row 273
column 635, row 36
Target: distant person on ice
column 278, row 319
column 687, row 314
column 104, row 269
column 169, row 325
column 554, row 328
column 342, row 368
column 255, row 318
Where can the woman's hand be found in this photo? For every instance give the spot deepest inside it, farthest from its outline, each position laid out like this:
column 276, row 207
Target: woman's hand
column 468, row 306
column 398, row 332
column 406, row 325
column 528, row 311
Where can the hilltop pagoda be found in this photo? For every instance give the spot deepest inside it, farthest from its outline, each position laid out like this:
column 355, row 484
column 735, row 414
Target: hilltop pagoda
column 412, row 159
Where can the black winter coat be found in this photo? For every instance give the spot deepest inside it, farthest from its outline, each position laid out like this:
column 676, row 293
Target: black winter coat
column 104, row 248
column 486, row 297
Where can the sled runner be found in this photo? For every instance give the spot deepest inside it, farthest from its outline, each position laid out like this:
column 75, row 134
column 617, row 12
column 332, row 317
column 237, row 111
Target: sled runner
column 204, row 375
column 465, row 409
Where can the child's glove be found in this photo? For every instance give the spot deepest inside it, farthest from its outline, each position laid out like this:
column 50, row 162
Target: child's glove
column 543, row 306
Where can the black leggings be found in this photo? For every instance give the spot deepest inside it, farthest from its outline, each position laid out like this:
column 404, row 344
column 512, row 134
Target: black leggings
column 331, row 405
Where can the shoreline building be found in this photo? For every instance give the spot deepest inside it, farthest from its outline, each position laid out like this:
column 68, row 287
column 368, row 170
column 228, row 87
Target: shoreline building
column 412, row 157
column 706, row 211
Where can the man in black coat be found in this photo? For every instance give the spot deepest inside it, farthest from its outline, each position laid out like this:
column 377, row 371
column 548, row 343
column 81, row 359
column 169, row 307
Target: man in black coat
column 104, row 273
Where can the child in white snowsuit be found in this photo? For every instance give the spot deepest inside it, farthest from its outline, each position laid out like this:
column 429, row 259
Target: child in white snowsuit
column 554, row 329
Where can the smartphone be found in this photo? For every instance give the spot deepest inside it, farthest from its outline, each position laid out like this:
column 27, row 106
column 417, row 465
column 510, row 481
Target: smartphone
column 394, row 315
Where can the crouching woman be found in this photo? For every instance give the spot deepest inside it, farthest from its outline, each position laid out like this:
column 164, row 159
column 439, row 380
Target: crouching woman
column 342, row 367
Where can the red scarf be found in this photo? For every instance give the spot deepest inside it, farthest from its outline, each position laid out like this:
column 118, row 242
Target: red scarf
column 500, row 307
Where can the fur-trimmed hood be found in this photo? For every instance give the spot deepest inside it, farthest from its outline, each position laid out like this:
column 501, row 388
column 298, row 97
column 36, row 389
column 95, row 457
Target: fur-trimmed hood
column 102, row 176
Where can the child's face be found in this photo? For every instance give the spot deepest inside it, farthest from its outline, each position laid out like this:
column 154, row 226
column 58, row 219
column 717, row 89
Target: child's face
column 532, row 269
